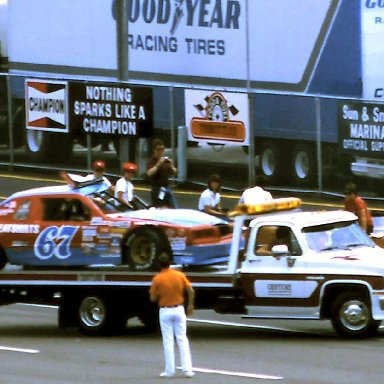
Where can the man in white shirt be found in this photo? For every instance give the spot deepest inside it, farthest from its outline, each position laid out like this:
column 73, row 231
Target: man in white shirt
column 98, row 169
column 124, row 187
column 255, row 195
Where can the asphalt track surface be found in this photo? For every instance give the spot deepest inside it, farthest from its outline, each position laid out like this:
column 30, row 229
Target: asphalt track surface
column 226, row 349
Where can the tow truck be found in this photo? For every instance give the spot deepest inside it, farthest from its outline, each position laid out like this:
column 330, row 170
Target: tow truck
column 328, row 268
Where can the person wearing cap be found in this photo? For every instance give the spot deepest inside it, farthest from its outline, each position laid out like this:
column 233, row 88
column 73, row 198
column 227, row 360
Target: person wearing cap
column 355, row 204
column 210, row 198
column 98, row 169
column 168, row 289
column 124, row 187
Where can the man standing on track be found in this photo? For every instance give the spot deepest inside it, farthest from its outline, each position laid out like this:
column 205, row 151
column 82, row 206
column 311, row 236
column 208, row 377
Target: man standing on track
column 168, row 289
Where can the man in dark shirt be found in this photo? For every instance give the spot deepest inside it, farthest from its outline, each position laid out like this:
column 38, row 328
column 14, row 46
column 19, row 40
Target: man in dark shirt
column 160, row 169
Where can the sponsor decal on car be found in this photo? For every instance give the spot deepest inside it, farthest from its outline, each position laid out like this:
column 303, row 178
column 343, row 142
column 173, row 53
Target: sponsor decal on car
column 19, row 228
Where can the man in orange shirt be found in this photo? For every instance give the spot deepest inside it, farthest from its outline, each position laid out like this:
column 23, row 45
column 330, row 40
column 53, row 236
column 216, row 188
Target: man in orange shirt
column 168, row 289
column 355, row 204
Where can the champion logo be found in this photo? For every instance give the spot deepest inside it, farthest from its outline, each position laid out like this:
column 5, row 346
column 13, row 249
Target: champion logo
column 46, row 105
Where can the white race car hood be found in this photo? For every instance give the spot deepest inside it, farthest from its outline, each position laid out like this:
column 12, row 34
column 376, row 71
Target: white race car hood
column 182, row 217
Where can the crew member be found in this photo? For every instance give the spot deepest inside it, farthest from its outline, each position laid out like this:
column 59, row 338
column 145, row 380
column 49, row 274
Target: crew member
column 210, row 198
column 124, row 187
column 168, row 288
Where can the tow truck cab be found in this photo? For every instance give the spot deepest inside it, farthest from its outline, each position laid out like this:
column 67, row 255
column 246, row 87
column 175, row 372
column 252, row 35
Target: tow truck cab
column 327, row 268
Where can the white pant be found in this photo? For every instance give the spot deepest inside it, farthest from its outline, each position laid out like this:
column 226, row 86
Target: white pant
column 173, row 324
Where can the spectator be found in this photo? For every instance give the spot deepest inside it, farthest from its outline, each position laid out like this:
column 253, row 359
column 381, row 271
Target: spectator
column 210, row 198
column 355, row 204
column 160, row 169
column 124, row 187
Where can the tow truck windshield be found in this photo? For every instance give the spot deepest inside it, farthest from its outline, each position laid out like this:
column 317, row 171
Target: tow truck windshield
column 345, row 235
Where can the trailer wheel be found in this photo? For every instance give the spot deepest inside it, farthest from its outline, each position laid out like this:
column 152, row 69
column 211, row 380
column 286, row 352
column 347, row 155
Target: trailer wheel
column 303, row 164
column 98, row 315
column 352, row 317
column 270, row 161
column 142, row 249
column 48, row 147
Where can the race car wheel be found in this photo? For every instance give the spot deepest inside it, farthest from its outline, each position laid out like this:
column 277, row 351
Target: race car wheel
column 352, row 317
column 98, row 315
column 142, row 249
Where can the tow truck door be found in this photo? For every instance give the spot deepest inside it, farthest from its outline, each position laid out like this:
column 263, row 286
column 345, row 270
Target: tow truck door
column 275, row 280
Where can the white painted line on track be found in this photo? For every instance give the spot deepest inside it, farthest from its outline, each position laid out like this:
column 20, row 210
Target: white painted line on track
column 38, row 305
column 240, row 325
column 236, row 374
column 22, row 350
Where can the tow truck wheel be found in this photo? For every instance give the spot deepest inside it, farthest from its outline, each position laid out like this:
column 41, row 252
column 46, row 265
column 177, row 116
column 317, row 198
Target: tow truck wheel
column 352, row 317
column 142, row 249
column 97, row 315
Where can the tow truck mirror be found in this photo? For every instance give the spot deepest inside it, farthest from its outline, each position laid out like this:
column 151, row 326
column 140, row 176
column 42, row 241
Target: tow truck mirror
column 280, row 250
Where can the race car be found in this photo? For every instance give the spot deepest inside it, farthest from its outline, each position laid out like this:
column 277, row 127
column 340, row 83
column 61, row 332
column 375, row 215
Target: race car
column 81, row 224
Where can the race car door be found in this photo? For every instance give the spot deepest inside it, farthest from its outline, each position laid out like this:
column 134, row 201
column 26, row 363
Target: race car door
column 273, row 276
column 60, row 238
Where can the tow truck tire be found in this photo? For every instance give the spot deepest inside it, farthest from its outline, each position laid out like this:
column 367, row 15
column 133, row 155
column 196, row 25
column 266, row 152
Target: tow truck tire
column 49, row 147
column 98, row 316
column 352, row 317
column 142, row 249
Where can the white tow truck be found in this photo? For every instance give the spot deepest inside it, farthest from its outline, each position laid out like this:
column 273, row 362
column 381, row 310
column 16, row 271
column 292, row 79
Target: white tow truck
column 326, row 268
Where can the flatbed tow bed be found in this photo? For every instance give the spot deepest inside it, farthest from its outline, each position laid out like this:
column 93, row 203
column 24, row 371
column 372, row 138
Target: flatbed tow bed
column 117, row 293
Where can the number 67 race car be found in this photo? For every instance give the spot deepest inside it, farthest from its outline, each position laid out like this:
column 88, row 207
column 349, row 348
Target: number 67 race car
column 82, row 225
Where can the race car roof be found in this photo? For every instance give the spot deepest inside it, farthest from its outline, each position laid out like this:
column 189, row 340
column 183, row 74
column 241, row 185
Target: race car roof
column 97, row 187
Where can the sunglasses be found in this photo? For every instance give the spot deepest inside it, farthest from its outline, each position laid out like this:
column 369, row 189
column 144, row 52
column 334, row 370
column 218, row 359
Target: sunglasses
column 160, row 148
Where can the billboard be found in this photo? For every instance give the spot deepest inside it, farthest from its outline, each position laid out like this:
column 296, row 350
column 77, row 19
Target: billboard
column 93, row 108
column 110, row 109
column 361, row 128
column 232, row 43
column 217, row 117
column 46, row 105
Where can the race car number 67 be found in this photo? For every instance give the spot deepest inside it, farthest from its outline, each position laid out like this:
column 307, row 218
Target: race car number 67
column 55, row 241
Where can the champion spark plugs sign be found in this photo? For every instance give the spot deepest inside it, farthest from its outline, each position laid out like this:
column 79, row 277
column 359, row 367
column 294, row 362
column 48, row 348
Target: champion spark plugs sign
column 46, row 105
column 89, row 108
column 217, row 117
column 111, row 109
